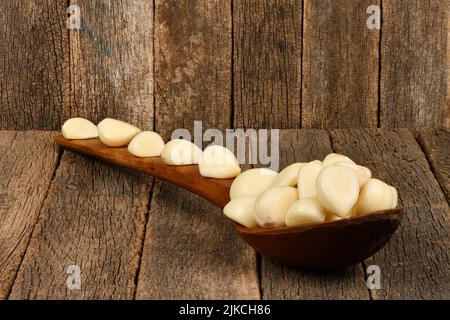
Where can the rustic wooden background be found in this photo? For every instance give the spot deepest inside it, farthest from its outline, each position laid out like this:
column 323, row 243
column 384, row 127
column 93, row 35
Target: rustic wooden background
column 232, row 63
column 263, row 64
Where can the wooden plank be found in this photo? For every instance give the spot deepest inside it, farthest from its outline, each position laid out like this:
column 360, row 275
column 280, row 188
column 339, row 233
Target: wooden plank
column 112, row 62
column 34, row 75
column 415, row 264
column 93, row 217
column 436, row 145
column 191, row 251
column 27, row 162
column 192, row 64
column 414, row 68
column 340, row 65
column 280, row 282
column 267, row 63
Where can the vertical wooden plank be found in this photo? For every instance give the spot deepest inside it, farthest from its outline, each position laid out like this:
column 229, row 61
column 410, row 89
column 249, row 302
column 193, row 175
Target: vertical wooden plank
column 340, row 65
column 280, row 282
column 189, row 244
column 34, row 60
column 27, row 163
column 93, row 217
column 112, row 62
column 192, row 64
column 192, row 252
column 267, row 63
column 414, row 68
column 415, row 263
column 436, row 145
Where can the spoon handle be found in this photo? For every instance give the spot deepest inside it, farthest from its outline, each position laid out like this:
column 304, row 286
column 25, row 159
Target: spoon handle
column 187, row 177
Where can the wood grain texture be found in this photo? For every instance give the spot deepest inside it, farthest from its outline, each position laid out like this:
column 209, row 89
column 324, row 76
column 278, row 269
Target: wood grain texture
column 436, row 145
column 34, row 58
column 111, row 62
column 414, row 64
column 267, row 63
column 94, row 217
column 340, row 65
column 192, row 252
column 415, row 264
column 27, row 163
column 192, row 64
column 280, row 282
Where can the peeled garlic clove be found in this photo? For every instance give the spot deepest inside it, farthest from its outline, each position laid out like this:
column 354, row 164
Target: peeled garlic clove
column 305, row 211
column 288, row 176
column 273, row 204
column 306, row 180
column 242, row 211
column 116, row 133
column 252, row 182
column 180, row 152
column 363, row 173
column 78, row 129
column 146, row 144
column 338, row 189
column 332, row 158
column 219, row 162
column 394, row 197
column 375, row 196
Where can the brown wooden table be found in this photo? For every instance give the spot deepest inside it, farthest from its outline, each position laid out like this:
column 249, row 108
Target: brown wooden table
column 138, row 238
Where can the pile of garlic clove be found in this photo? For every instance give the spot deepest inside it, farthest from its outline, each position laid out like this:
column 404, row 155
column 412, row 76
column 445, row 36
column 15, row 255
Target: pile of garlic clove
column 214, row 162
column 307, row 193
column 303, row 193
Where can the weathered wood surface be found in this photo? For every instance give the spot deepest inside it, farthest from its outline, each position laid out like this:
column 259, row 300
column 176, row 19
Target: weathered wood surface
column 94, row 217
column 414, row 64
column 34, row 64
column 111, row 65
column 267, row 63
column 415, row 264
column 176, row 245
column 27, row 163
column 280, row 282
column 192, row 64
column 192, row 252
column 271, row 63
column 340, row 65
column 436, row 145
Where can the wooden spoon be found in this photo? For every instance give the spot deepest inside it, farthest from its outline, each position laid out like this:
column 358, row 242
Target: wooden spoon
column 328, row 245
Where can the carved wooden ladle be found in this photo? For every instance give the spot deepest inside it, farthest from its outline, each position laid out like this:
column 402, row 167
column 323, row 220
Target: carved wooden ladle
column 327, row 245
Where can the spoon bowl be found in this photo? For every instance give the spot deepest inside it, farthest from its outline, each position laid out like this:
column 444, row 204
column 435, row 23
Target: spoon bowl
column 327, row 245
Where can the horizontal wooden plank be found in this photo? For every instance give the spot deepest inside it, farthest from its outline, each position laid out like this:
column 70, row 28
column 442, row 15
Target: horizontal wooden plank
column 192, row 252
column 27, row 163
column 436, row 145
column 34, row 67
column 415, row 264
column 280, row 282
column 93, row 217
column 267, row 63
